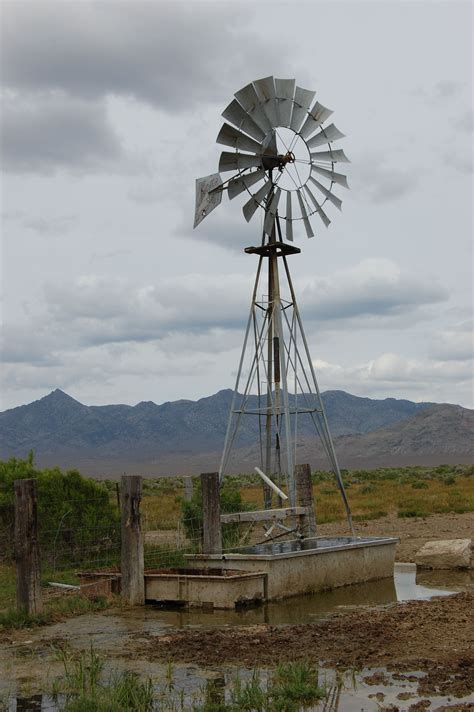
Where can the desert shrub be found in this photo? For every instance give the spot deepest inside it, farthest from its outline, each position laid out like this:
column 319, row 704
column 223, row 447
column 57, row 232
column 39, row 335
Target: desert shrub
column 76, row 518
column 418, row 484
column 328, row 490
column 412, row 512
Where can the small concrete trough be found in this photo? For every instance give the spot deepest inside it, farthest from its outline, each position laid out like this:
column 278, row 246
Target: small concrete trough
column 309, row 565
column 205, row 588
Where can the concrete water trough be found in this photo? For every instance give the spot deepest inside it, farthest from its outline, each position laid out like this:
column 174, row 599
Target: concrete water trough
column 206, row 588
column 309, row 565
column 259, row 573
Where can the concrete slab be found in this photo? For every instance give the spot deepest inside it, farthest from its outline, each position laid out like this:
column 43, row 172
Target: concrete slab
column 445, row 554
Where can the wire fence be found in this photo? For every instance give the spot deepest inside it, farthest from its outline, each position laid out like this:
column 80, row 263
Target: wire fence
column 85, row 534
column 80, row 539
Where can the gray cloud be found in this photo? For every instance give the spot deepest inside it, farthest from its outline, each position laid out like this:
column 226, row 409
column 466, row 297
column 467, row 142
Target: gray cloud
column 460, row 158
column 446, row 89
column 421, row 378
column 102, row 310
column 169, row 54
column 374, row 287
column 465, row 122
column 454, row 344
column 440, row 91
column 96, row 311
column 226, row 227
column 33, row 345
column 50, row 226
column 43, row 133
column 382, row 179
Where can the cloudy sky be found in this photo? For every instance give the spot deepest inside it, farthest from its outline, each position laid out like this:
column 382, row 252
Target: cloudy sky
column 110, row 112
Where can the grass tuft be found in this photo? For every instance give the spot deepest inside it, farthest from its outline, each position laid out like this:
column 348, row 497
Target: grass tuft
column 55, row 610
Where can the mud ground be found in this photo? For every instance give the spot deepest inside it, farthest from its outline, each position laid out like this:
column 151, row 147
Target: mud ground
column 434, row 636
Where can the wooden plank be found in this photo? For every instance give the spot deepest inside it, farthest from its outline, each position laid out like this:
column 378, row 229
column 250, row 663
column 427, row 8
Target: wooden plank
column 263, row 515
column 133, row 579
column 211, row 510
column 27, row 552
column 304, row 495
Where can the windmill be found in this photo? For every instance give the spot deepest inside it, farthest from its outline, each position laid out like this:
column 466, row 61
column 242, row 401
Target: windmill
column 283, row 162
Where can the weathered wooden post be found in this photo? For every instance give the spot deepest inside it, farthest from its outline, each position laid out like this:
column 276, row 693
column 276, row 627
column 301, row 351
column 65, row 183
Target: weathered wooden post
column 133, row 571
column 188, row 488
column 27, row 552
column 211, row 513
column 304, row 493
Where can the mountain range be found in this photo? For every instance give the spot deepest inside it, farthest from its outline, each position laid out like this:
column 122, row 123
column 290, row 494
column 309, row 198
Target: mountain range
column 186, row 437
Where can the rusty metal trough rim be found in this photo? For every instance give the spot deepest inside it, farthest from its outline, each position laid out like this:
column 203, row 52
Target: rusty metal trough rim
column 223, row 575
column 353, row 543
column 226, row 575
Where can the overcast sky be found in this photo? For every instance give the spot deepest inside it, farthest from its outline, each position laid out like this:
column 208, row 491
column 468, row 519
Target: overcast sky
column 110, row 112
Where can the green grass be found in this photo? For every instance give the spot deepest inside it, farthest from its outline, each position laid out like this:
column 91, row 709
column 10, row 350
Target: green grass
column 161, row 557
column 85, row 690
column 372, row 494
column 290, row 688
column 54, row 610
column 7, row 585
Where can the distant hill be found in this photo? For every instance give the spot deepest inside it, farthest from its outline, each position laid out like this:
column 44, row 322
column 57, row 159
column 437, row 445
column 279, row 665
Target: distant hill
column 187, row 436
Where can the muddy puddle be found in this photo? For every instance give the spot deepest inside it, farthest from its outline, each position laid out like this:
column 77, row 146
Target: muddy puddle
column 405, row 586
column 28, row 665
column 109, row 629
column 186, row 687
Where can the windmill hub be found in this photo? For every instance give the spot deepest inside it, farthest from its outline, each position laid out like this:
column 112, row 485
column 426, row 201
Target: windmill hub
column 289, row 157
column 279, row 161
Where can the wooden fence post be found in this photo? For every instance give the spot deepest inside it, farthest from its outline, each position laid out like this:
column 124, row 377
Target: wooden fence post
column 27, row 552
column 304, row 493
column 133, row 571
column 188, row 488
column 211, row 513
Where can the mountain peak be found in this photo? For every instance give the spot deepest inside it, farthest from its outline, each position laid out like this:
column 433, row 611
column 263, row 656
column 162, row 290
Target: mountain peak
column 59, row 396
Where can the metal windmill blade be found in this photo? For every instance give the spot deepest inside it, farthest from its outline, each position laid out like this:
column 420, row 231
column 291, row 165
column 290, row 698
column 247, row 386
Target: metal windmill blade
column 239, row 117
column 248, row 99
column 265, row 89
column 238, row 185
column 285, row 91
column 301, row 104
column 316, row 117
column 230, row 136
column 327, row 135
